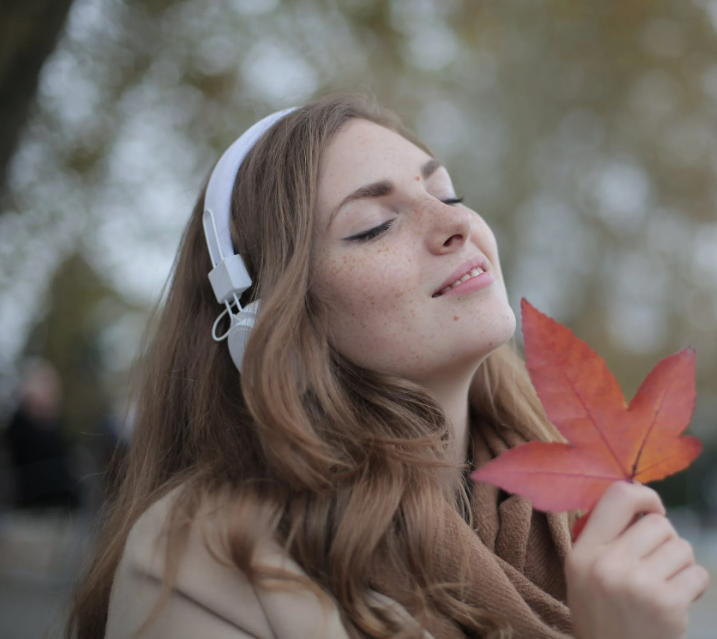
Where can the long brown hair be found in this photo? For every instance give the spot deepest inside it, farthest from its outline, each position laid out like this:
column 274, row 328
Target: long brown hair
column 339, row 463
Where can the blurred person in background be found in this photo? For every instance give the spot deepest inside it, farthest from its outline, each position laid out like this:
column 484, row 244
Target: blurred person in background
column 39, row 454
column 317, row 484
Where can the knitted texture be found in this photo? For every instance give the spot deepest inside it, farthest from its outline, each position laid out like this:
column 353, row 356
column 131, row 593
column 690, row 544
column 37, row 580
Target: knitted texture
column 515, row 555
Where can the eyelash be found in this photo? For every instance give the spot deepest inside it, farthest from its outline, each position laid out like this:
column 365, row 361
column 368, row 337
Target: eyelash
column 382, row 228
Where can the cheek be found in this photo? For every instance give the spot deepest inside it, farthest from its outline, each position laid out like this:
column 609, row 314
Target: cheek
column 369, row 301
column 484, row 238
column 487, row 237
column 360, row 283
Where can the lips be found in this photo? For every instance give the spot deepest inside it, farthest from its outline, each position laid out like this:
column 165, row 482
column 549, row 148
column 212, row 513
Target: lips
column 479, row 261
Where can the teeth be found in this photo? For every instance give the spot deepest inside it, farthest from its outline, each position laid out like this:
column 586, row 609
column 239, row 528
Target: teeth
column 474, row 273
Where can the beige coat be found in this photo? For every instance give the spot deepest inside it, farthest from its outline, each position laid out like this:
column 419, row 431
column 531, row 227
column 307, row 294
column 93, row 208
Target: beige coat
column 210, row 600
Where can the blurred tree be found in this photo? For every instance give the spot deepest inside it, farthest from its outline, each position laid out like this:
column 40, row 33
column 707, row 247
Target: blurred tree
column 29, row 30
column 79, row 303
column 584, row 133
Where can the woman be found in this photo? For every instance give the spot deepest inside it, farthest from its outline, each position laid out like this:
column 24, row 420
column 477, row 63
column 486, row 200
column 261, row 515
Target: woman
column 322, row 492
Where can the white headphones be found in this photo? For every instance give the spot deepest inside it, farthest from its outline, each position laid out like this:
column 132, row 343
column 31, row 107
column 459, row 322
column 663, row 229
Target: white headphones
column 229, row 277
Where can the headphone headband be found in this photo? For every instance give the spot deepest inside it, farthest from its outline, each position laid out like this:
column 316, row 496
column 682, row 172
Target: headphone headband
column 229, row 277
column 229, row 274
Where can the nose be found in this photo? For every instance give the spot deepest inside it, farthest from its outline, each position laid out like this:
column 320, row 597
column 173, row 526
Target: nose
column 448, row 229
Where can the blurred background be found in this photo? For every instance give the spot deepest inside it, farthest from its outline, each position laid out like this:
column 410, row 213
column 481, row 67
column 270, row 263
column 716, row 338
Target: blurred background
column 585, row 134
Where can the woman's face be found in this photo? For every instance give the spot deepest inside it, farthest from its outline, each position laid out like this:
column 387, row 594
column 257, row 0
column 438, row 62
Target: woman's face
column 389, row 242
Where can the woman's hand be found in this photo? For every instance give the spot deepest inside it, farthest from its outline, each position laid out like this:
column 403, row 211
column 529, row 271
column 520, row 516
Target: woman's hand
column 631, row 577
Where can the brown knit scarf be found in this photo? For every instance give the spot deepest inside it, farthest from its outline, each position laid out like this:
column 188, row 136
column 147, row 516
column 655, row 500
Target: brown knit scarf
column 516, row 556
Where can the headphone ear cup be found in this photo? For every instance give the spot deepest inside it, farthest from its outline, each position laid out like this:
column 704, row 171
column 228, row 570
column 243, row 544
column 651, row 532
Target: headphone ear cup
column 242, row 323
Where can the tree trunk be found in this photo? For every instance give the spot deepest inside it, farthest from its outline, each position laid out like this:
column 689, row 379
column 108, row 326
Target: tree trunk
column 29, row 30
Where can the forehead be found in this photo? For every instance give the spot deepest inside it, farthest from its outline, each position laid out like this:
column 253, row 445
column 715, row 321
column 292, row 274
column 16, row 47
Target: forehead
column 362, row 152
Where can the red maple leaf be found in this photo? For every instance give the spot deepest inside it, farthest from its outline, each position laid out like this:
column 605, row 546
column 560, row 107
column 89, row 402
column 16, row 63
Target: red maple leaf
column 608, row 440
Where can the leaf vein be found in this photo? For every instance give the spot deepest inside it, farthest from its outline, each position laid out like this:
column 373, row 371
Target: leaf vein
column 592, row 421
column 649, row 430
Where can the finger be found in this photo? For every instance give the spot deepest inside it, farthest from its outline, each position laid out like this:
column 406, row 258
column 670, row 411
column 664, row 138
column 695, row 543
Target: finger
column 669, row 559
column 644, row 536
column 691, row 583
column 616, row 510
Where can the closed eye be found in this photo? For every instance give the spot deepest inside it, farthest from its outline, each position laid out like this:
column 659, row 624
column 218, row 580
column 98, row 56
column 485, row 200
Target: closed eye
column 365, row 236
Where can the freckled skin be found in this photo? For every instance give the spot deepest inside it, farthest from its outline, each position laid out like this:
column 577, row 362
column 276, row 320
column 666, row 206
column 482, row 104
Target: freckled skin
column 383, row 315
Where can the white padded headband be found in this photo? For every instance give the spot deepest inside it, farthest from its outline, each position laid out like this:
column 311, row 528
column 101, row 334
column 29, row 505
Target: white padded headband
column 229, row 276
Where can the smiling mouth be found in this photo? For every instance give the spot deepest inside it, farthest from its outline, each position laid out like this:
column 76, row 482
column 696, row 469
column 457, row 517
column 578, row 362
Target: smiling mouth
column 475, row 272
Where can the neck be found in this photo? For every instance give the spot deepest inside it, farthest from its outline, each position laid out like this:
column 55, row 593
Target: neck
column 452, row 396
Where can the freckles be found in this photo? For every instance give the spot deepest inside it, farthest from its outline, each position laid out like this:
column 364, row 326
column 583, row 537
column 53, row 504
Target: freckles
column 423, row 213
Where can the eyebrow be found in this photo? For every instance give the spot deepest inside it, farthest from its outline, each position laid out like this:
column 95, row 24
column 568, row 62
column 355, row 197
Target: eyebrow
column 381, row 188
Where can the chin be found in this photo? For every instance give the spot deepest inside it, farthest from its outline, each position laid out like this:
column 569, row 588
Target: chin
column 466, row 353
column 495, row 333
column 506, row 327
